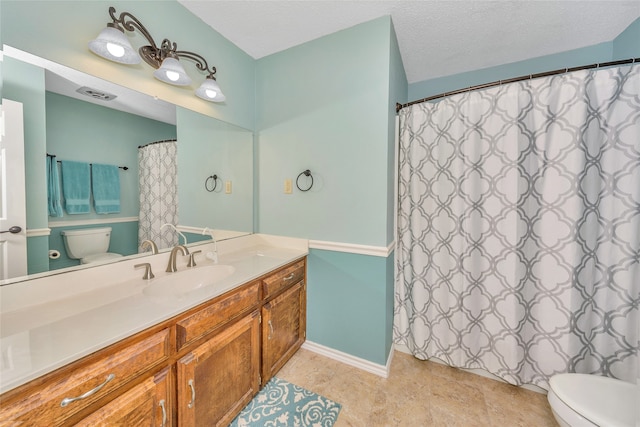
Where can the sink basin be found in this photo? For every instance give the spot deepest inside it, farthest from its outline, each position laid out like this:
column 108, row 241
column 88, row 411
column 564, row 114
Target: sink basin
column 185, row 281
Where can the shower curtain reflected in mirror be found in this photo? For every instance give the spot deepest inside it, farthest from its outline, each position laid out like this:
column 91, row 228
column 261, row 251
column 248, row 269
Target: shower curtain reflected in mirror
column 519, row 228
column 158, row 172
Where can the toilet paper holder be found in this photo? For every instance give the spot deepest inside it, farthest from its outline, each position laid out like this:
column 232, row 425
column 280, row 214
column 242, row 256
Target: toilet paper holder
column 54, row 254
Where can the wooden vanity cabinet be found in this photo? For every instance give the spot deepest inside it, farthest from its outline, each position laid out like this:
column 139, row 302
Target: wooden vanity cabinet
column 199, row 368
column 218, row 378
column 283, row 317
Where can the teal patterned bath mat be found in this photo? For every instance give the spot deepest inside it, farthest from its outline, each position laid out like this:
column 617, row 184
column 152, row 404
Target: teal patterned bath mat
column 282, row 404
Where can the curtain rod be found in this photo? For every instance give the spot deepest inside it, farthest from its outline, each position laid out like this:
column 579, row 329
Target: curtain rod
column 517, row 79
column 158, row 142
column 90, row 164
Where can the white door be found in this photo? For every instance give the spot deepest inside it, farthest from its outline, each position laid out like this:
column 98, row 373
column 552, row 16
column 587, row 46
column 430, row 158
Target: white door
column 13, row 217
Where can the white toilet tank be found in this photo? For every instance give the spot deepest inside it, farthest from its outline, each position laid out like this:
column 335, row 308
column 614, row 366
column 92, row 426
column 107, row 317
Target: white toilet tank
column 87, row 242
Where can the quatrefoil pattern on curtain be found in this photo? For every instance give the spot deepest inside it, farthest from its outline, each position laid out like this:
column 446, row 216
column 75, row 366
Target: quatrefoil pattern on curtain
column 158, row 180
column 518, row 245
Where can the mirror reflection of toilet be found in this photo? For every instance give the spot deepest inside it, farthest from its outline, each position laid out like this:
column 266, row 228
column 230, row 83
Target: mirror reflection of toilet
column 581, row 400
column 89, row 244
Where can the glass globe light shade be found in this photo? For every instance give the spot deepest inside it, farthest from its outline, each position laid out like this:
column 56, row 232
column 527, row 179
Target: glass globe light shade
column 209, row 90
column 172, row 72
column 113, row 45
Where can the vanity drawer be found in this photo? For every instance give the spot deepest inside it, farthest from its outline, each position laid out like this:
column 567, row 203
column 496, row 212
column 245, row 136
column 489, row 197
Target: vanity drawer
column 62, row 396
column 282, row 279
column 216, row 314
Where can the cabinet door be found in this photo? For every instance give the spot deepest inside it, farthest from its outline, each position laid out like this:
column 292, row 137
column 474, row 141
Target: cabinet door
column 218, row 378
column 283, row 329
column 147, row 404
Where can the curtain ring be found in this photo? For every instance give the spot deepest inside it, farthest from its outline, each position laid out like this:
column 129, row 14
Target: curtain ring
column 213, row 177
column 305, row 173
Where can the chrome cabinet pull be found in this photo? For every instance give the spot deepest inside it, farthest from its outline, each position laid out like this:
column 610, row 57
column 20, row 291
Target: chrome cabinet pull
column 289, row 277
column 270, row 330
column 164, row 413
column 91, row 392
column 193, row 394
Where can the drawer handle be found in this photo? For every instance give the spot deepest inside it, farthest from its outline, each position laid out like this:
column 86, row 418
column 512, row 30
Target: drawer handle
column 270, row 329
column 164, row 413
column 193, row 394
column 91, row 392
column 289, row 277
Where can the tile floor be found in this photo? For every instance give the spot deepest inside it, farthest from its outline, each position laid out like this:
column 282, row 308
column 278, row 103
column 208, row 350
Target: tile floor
column 416, row 394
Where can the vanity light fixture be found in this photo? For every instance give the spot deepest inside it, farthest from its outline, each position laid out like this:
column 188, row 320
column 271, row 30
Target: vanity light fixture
column 112, row 44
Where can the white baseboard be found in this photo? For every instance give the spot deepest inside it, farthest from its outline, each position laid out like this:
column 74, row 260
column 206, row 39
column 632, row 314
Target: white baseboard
column 404, row 349
column 347, row 359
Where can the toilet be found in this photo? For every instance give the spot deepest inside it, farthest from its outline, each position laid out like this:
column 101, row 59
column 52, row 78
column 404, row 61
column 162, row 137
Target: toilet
column 89, row 245
column 581, row 400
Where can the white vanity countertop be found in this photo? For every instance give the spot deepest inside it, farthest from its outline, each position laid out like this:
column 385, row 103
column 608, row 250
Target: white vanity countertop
column 49, row 322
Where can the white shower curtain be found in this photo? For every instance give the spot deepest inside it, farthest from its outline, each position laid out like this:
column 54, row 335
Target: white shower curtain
column 519, row 228
column 158, row 172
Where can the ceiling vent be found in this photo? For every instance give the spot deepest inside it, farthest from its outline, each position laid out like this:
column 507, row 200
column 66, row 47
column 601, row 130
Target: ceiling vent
column 96, row 94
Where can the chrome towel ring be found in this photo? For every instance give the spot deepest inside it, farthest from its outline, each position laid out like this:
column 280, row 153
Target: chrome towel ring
column 207, row 183
column 306, row 173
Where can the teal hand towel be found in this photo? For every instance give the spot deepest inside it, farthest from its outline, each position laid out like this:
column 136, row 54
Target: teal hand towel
column 76, row 187
column 53, row 187
column 105, row 183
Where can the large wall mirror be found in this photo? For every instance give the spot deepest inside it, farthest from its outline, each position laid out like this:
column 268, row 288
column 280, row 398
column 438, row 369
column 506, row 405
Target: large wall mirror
column 175, row 166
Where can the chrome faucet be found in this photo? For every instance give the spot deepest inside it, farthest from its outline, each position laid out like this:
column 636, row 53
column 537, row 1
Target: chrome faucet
column 151, row 244
column 192, row 260
column 148, row 274
column 171, row 266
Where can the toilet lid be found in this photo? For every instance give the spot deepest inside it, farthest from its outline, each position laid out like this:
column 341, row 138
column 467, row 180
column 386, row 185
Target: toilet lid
column 100, row 257
column 603, row 401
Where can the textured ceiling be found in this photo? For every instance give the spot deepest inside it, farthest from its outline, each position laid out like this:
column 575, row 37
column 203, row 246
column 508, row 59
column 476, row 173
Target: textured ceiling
column 436, row 38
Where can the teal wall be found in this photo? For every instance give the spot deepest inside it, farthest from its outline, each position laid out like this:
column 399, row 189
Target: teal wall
column 328, row 106
column 346, row 303
column 196, row 237
column 37, row 254
column 625, row 46
column 25, row 83
column 207, row 146
column 84, row 132
column 60, row 30
column 398, row 94
column 324, row 106
column 574, row 58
